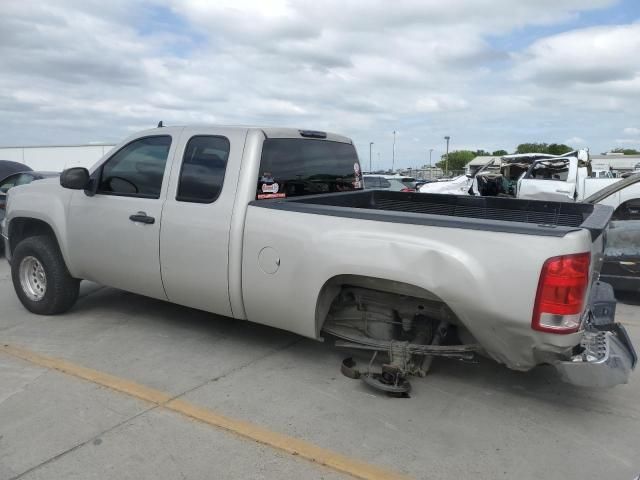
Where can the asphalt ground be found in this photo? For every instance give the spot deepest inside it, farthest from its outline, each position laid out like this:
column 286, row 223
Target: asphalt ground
column 126, row 387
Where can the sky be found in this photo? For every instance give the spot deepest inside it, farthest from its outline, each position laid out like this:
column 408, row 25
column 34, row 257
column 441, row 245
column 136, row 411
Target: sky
column 488, row 73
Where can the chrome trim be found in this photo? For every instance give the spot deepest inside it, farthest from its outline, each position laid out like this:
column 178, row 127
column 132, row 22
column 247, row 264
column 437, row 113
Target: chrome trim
column 604, row 362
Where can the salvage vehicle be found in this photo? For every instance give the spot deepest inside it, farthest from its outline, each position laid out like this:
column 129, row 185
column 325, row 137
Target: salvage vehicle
column 272, row 225
column 536, row 176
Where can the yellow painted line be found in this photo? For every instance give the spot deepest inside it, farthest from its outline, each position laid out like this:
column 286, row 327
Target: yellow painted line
column 279, row 441
column 104, row 379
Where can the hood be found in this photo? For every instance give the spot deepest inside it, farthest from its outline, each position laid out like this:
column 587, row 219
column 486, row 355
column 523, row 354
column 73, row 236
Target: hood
column 613, row 188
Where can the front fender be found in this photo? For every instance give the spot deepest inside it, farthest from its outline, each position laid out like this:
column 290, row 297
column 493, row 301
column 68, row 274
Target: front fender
column 46, row 201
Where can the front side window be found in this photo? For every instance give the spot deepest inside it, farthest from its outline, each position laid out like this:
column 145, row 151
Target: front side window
column 136, row 169
column 550, row 170
column 291, row 167
column 203, row 168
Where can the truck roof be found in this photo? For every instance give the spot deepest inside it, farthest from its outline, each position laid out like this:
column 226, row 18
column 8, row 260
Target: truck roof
column 269, row 132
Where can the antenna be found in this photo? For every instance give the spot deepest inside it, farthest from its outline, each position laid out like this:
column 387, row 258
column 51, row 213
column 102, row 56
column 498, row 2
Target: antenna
column 160, row 125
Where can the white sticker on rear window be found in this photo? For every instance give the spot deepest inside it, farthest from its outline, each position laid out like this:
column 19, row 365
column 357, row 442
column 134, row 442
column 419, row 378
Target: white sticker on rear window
column 270, row 187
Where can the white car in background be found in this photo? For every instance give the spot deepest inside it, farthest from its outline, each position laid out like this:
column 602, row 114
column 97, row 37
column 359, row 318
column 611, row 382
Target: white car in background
column 456, row 186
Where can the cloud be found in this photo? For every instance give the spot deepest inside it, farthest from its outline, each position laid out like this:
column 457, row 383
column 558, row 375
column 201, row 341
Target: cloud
column 596, row 55
column 77, row 70
column 628, row 141
column 632, row 131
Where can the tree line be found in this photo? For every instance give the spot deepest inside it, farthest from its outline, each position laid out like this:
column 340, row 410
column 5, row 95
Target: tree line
column 459, row 158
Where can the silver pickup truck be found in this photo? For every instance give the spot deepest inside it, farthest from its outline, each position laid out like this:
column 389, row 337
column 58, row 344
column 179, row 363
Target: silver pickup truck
column 272, row 226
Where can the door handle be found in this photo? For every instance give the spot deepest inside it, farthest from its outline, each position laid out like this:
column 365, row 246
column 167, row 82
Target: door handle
column 563, row 191
column 142, row 217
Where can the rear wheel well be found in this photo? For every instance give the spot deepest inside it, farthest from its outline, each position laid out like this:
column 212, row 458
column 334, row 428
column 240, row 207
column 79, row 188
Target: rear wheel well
column 24, row 227
column 394, row 293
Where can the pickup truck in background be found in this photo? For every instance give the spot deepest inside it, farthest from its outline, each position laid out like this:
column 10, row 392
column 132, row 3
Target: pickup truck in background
column 273, row 226
column 621, row 267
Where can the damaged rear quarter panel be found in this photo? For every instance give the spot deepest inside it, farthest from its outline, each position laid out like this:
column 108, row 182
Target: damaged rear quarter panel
column 488, row 279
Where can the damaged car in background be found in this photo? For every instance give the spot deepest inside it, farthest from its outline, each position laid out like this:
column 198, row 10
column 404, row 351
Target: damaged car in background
column 534, row 176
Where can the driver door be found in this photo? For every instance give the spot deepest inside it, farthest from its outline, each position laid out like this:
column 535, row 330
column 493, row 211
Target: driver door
column 114, row 233
column 550, row 179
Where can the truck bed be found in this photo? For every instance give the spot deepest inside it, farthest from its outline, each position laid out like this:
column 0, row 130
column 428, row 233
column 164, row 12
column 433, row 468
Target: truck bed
column 529, row 217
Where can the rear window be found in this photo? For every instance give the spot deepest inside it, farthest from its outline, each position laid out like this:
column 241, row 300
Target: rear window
column 409, row 182
column 292, row 167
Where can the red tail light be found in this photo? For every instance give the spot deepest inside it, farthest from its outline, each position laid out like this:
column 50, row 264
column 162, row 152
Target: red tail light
column 408, row 190
column 561, row 294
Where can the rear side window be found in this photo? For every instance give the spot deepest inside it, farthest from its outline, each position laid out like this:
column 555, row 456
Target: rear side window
column 371, row 182
column 409, row 182
column 137, row 169
column 203, row 168
column 292, row 167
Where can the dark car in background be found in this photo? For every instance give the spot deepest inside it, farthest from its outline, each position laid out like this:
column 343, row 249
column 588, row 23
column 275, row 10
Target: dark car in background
column 18, row 178
column 8, row 167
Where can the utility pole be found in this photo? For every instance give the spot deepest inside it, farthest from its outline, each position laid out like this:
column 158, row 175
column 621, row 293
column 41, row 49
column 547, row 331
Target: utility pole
column 446, row 163
column 370, row 145
column 430, row 168
column 393, row 157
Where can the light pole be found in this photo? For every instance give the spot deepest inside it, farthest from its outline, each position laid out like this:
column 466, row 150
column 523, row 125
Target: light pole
column 446, row 163
column 393, row 155
column 370, row 145
column 430, row 169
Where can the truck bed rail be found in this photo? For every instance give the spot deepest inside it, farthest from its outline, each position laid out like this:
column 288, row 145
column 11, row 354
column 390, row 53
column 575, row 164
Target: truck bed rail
column 533, row 217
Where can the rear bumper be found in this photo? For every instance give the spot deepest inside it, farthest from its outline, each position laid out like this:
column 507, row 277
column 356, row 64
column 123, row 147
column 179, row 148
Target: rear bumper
column 607, row 359
column 605, row 356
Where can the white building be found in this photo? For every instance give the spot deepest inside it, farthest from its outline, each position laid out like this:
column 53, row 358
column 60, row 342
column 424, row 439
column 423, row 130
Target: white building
column 619, row 163
column 478, row 162
column 55, row 158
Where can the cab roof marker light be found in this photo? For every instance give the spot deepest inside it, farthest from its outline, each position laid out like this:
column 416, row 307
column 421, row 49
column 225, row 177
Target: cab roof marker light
column 312, row 134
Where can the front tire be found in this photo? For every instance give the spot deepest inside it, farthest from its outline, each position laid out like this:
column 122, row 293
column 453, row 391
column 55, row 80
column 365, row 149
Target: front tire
column 40, row 277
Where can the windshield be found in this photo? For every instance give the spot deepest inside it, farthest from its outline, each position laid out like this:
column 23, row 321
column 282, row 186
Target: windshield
column 292, row 167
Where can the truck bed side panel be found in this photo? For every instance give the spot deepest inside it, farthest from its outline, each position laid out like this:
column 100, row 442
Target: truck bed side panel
column 487, row 278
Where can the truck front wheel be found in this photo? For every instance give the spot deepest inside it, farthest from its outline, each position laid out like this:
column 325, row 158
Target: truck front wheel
column 40, row 277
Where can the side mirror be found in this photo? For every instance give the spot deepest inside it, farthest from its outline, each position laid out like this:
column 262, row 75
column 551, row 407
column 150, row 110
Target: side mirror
column 76, row 178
